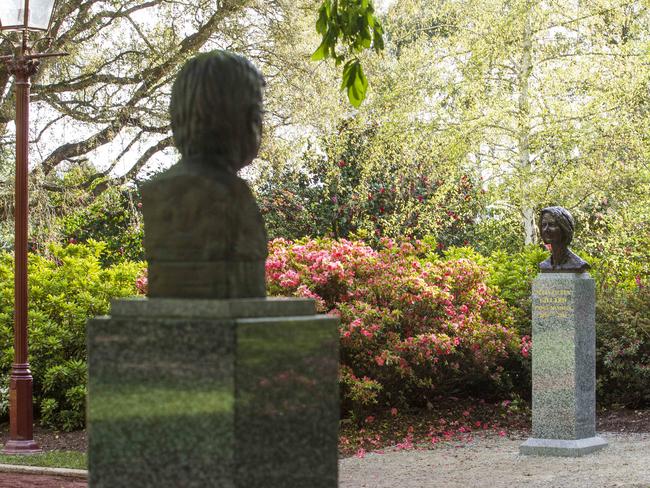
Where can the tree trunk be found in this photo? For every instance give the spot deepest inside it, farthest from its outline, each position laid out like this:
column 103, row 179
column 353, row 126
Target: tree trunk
column 523, row 143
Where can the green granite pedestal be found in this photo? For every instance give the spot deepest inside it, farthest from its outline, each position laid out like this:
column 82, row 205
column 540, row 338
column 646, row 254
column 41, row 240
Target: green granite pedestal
column 213, row 393
column 564, row 366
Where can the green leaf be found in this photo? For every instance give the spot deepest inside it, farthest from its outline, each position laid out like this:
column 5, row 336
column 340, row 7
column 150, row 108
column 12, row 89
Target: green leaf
column 378, row 43
column 355, row 81
column 328, row 7
column 322, row 52
column 353, row 26
column 321, row 23
column 366, row 38
column 349, row 72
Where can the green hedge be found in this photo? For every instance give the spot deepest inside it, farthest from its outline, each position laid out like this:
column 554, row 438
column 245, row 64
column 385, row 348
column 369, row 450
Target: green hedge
column 623, row 347
column 66, row 287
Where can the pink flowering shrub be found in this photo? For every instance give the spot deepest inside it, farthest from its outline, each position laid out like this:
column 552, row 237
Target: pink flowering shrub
column 410, row 329
column 142, row 282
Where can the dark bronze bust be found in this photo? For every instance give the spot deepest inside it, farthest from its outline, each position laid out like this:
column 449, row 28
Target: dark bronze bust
column 204, row 234
column 556, row 228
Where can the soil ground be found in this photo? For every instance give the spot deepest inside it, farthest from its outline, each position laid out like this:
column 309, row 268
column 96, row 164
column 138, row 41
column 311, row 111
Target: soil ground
column 488, row 460
column 50, row 440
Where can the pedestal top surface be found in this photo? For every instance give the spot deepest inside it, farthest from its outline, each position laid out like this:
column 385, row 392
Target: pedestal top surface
column 213, row 309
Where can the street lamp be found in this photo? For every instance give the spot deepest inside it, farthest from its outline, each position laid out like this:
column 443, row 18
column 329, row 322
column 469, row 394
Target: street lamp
column 24, row 17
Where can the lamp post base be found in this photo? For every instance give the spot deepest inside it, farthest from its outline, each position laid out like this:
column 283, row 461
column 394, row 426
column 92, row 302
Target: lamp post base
column 21, row 447
column 21, row 419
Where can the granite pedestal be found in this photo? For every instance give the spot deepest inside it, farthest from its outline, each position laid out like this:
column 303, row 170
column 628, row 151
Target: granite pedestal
column 564, row 366
column 235, row 393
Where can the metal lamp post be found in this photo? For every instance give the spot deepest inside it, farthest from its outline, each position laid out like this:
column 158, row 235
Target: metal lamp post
column 23, row 17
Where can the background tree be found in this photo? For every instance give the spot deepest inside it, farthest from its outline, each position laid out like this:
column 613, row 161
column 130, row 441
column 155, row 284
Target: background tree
column 103, row 109
column 533, row 104
column 544, row 103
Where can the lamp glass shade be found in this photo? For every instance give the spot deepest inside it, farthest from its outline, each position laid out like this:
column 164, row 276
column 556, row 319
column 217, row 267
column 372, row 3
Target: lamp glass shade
column 12, row 14
column 40, row 12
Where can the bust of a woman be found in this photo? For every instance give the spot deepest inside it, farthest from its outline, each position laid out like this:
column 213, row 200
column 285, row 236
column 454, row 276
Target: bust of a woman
column 556, row 228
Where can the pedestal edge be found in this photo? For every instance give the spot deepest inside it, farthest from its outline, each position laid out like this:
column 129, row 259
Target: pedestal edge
column 563, row 275
column 562, row 447
column 211, row 308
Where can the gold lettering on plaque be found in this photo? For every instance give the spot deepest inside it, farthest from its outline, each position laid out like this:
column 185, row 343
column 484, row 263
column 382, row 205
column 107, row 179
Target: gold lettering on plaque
column 550, row 302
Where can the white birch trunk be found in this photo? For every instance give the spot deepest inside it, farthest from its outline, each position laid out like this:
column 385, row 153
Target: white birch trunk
column 525, row 164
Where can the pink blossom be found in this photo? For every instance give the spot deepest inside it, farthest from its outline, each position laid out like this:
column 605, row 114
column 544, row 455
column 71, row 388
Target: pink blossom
column 356, row 323
column 141, row 284
column 289, row 279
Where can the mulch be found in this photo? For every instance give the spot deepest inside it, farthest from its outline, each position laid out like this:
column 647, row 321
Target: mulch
column 461, row 420
column 623, row 420
column 51, row 440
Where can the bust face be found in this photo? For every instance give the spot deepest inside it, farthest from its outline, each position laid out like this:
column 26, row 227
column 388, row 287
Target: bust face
column 550, row 230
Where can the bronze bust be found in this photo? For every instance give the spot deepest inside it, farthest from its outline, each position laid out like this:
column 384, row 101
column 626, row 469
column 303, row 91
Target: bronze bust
column 556, row 226
column 204, row 233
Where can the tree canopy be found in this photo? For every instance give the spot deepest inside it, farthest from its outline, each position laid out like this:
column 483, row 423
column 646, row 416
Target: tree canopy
column 479, row 113
column 539, row 104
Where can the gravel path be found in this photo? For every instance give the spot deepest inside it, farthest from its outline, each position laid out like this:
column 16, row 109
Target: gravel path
column 496, row 463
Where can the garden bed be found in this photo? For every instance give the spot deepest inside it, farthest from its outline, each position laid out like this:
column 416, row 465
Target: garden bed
column 52, row 440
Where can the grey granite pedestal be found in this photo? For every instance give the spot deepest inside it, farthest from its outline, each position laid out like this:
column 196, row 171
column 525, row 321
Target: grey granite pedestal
column 213, row 393
column 564, row 366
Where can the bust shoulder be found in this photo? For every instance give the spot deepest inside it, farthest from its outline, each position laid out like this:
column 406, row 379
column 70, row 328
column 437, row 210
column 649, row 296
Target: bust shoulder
column 572, row 263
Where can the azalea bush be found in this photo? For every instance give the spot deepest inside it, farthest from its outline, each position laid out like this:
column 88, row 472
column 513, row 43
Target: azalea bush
column 412, row 328
column 66, row 287
column 623, row 346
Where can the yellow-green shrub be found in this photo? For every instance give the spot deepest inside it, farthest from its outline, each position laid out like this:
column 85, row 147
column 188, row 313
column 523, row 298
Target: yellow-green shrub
column 65, row 289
